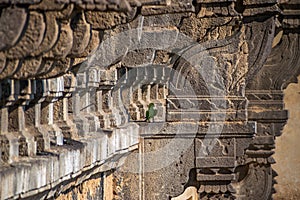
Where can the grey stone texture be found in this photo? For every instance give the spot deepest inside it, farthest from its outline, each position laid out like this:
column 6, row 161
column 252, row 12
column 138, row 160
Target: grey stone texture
column 77, row 79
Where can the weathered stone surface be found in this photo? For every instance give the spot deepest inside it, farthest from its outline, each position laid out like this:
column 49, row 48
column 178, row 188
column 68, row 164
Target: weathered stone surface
column 280, row 66
column 19, row 1
column 59, row 67
column 31, row 39
column 159, row 20
column 261, row 11
column 108, row 20
column 155, row 2
column 90, row 189
column 2, row 62
column 64, row 43
column 199, row 28
column 178, row 170
column 212, row 73
column 45, row 67
column 47, row 5
column 138, row 58
column 81, row 35
column 93, row 44
column 12, row 22
column 10, row 68
column 51, row 34
column 29, row 68
column 156, row 10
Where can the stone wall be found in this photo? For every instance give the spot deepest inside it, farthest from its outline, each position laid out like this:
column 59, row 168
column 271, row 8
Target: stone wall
column 144, row 99
column 91, row 189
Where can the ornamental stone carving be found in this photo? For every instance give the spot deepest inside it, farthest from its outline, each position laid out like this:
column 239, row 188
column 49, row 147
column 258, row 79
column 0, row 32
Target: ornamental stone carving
column 78, row 77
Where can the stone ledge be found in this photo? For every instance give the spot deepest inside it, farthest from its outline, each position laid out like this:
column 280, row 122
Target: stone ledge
column 61, row 168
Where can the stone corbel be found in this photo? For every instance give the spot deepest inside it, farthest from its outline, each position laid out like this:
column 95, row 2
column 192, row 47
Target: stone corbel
column 9, row 142
column 16, row 140
column 79, row 103
column 55, row 92
column 64, row 105
column 34, row 115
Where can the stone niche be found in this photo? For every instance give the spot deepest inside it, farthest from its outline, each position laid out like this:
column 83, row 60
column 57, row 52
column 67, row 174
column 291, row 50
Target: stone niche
column 77, row 79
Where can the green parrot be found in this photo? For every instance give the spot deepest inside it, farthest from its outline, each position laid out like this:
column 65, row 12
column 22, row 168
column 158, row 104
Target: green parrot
column 151, row 112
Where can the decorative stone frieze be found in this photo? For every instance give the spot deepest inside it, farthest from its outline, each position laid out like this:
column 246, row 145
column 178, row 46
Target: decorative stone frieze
column 78, row 78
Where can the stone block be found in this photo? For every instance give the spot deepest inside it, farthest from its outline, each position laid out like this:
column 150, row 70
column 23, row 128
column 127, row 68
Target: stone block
column 108, row 20
column 12, row 20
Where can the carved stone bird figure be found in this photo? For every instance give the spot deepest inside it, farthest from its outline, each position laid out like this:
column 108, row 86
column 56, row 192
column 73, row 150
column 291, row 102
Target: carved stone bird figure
column 151, row 112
